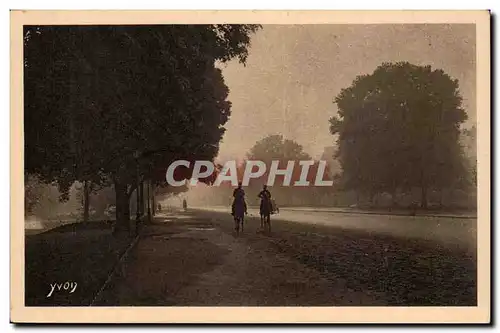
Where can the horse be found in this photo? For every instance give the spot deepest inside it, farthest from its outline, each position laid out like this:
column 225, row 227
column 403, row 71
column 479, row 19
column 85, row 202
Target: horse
column 239, row 215
column 265, row 213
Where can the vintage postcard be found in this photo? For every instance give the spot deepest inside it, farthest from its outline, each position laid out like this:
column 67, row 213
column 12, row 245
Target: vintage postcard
column 250, row 167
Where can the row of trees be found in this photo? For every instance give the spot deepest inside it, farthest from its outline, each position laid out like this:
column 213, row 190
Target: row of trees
column 43, row 201
column 397, row 129
column 117, row 104
column 345, row 191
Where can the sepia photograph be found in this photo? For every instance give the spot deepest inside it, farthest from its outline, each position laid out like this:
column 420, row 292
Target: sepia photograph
column 250, row 166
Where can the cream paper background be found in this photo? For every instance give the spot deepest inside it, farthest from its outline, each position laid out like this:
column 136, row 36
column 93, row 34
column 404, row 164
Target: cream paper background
column 20, row 313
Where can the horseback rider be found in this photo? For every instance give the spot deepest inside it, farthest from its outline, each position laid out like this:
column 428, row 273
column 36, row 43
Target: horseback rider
column 239, row 196
column 265, row 202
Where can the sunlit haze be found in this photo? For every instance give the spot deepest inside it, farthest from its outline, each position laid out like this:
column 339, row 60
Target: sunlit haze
column 293, row 73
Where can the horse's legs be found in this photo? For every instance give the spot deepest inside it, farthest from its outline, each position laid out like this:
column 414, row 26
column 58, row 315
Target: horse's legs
column 242, row 224
column 266, row 222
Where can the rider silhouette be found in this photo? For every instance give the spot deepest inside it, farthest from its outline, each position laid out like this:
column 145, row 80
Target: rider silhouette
column 265, row 202
column 238, row 194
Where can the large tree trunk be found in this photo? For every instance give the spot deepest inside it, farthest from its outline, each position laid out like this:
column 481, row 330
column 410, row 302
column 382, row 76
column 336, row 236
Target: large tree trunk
column 148, row 184
column 86, row 200
column 122, row 207
column 423, row 198
column 138, row 200
column 143, row 200
column 153, row 198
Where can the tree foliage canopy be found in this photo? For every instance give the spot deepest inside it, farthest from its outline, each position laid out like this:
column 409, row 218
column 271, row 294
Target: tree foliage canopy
column 399, row 127
column 277, row 148
column 122, row 102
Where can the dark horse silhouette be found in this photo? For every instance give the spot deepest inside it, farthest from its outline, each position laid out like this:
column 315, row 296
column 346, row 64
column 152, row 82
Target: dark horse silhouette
column 265, row 208
column 239, row 208
column 239, row 215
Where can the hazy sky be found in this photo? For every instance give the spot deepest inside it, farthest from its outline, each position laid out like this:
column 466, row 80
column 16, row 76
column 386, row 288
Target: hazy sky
column 293, row 74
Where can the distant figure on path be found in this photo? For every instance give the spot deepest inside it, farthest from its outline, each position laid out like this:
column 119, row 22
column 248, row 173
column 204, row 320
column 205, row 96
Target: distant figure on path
column 159, row 207
column 184, row 204
column 265, row 207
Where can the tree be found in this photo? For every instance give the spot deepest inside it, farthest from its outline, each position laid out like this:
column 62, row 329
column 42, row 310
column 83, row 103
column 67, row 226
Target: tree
column 399, row 128
column 88, row 192
column 469, row 139
column 329, row 155
column 40, row 199
column 129, row 104
column 102, row 198
column 33, row 191
column 276, row 148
